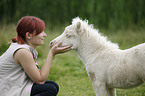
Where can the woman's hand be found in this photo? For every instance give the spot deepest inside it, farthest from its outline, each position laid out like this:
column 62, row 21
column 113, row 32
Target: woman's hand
column 57, row 50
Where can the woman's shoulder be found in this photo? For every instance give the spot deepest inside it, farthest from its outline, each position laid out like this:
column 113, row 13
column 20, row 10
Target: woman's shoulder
column 16, row 45
column 23, row 53
column 24, row 48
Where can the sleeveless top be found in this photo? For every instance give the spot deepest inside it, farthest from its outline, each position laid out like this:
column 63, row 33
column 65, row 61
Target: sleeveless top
column 13, row 79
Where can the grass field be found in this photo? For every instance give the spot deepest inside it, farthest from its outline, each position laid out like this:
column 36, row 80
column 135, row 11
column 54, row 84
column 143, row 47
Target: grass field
column 68, row 70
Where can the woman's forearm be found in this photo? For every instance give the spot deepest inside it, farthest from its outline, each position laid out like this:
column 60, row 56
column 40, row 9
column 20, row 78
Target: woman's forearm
column 46, row 67
column 44, row 72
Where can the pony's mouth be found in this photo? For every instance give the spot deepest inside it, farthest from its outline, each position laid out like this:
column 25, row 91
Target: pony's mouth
column 51, row 44
column 66, row 45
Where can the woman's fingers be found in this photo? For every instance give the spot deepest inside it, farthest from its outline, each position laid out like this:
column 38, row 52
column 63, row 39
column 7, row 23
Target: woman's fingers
column 63, row 49
column 59, row 43
column 56, row 49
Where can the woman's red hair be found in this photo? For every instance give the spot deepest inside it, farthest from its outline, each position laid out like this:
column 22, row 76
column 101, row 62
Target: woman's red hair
column 29, row 24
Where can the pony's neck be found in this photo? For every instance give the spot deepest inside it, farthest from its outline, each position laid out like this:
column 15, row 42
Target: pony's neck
column 91, row 44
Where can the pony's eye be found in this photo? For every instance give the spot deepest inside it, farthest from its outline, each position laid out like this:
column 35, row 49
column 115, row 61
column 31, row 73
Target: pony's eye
column 68, row 35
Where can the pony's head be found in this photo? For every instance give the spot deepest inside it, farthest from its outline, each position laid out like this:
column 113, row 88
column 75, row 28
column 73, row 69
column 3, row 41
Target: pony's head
column 71, row 34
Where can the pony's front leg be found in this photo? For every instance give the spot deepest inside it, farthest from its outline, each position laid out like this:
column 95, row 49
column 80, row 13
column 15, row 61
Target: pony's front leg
column 100, row 88
column 111, row 92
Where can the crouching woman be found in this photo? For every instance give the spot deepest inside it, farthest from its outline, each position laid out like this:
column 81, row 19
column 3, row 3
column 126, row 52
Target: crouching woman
column 19, row 72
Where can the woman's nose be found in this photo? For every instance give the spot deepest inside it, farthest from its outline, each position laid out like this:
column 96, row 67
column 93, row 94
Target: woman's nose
column 45, row 34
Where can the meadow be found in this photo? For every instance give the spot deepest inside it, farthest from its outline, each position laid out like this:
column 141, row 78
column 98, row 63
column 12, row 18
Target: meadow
column 67, row 69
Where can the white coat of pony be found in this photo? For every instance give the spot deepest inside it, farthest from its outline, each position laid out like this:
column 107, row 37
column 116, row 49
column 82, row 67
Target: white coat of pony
column 107, row 66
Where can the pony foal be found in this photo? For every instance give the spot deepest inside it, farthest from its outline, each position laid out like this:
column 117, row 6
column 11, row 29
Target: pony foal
column 107, row 66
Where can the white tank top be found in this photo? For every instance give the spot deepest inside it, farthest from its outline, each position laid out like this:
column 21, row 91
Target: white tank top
column 13, row 79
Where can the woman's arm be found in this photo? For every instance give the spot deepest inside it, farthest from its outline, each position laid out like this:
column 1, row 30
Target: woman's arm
column 25, row 58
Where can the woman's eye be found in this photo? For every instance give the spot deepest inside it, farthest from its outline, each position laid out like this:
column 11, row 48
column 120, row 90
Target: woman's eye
column 68, row 35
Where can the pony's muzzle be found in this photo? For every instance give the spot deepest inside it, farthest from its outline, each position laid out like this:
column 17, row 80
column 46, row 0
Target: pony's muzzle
column 51, row 44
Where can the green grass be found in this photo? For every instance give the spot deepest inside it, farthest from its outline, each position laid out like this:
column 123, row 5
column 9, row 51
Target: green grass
column 68, row 70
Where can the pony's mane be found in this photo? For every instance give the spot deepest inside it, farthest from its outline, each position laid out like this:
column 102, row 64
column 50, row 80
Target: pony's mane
column 94, row 34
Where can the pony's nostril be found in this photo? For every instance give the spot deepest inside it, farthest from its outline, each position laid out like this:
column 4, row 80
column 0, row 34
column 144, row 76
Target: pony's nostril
column 51, row 43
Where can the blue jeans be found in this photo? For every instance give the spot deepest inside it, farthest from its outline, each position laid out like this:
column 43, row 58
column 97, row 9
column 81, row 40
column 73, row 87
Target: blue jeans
column 49, row 88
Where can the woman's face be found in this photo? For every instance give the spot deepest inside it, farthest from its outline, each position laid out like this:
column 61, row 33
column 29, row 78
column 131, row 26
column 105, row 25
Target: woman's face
column 37, row 39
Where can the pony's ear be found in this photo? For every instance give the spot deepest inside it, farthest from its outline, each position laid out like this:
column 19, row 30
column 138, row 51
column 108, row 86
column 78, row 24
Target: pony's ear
column 78, row 27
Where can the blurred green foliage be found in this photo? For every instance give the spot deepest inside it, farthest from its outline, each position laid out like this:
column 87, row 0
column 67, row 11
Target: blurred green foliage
column 67, row 69
column 108, row 14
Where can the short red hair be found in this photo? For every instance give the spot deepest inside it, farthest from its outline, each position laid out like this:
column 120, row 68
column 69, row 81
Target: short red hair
column 29, row 24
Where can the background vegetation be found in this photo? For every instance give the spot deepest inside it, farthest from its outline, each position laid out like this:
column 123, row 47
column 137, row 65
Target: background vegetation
column 112, row 14
column 122, row 21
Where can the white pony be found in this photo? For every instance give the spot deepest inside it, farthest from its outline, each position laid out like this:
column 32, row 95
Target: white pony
column 107, row 66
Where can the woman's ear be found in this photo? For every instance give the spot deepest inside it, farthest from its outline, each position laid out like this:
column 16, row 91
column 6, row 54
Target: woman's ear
column 28, row 35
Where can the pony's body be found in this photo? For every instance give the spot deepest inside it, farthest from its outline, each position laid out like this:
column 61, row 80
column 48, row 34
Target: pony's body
column 107, row 66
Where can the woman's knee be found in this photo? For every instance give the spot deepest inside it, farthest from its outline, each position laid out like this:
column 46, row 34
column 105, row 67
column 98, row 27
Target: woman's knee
column 54, row 84
column 49, row 88
column 52, row 90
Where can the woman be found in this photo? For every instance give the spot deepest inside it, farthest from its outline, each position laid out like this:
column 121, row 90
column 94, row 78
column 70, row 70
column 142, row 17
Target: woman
column 19, row 73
